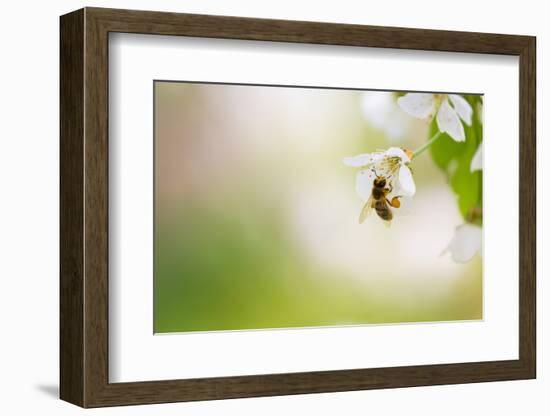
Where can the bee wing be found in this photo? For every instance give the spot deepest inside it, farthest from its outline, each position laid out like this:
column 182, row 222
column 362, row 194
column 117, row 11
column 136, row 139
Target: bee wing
column 367, row 209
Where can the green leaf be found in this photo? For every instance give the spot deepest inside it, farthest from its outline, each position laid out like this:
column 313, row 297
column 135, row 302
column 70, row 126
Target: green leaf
column 467, row 186
column 445, row 149
column 454, row 159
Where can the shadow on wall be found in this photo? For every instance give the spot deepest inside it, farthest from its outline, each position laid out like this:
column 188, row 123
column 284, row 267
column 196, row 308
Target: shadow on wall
column 51, row 390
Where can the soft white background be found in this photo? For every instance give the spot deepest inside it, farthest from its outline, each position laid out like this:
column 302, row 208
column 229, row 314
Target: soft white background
column 29, row 209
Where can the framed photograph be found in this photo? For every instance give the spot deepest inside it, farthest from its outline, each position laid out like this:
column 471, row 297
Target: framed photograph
column 256, row 207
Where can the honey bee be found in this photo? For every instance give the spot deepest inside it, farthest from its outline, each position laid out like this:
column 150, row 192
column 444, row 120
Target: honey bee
column 379, row 201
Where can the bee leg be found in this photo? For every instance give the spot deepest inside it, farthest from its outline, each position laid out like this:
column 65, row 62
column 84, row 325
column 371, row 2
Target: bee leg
column 394, row 202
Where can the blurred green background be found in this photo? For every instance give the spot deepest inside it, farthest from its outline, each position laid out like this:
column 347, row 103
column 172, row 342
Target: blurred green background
column 256, row 215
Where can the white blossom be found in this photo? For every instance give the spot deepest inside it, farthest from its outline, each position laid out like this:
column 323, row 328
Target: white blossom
column 477, row 159
column 465, row 244
column 391, row 164
column 449, row 109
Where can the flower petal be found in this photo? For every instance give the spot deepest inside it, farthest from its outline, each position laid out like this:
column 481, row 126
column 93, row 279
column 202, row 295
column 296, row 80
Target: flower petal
column 359, row 160
column 465, row 243
column 419, row 105
column 448, row 122
column 400, row 153
column 462, row 108
column 477, row 159
column 406, row 182
column 363, row 183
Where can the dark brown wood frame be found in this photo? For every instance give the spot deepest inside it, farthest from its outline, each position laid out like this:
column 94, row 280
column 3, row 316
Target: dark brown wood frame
column 84, row 207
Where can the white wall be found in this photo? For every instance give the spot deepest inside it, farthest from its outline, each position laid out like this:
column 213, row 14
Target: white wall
column 29, row 206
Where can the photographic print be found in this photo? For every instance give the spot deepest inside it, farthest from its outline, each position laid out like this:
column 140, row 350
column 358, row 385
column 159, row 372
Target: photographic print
column 297, row 207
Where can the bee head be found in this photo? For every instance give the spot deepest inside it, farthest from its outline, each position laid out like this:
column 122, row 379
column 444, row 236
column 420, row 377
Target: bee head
column 380, row 182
